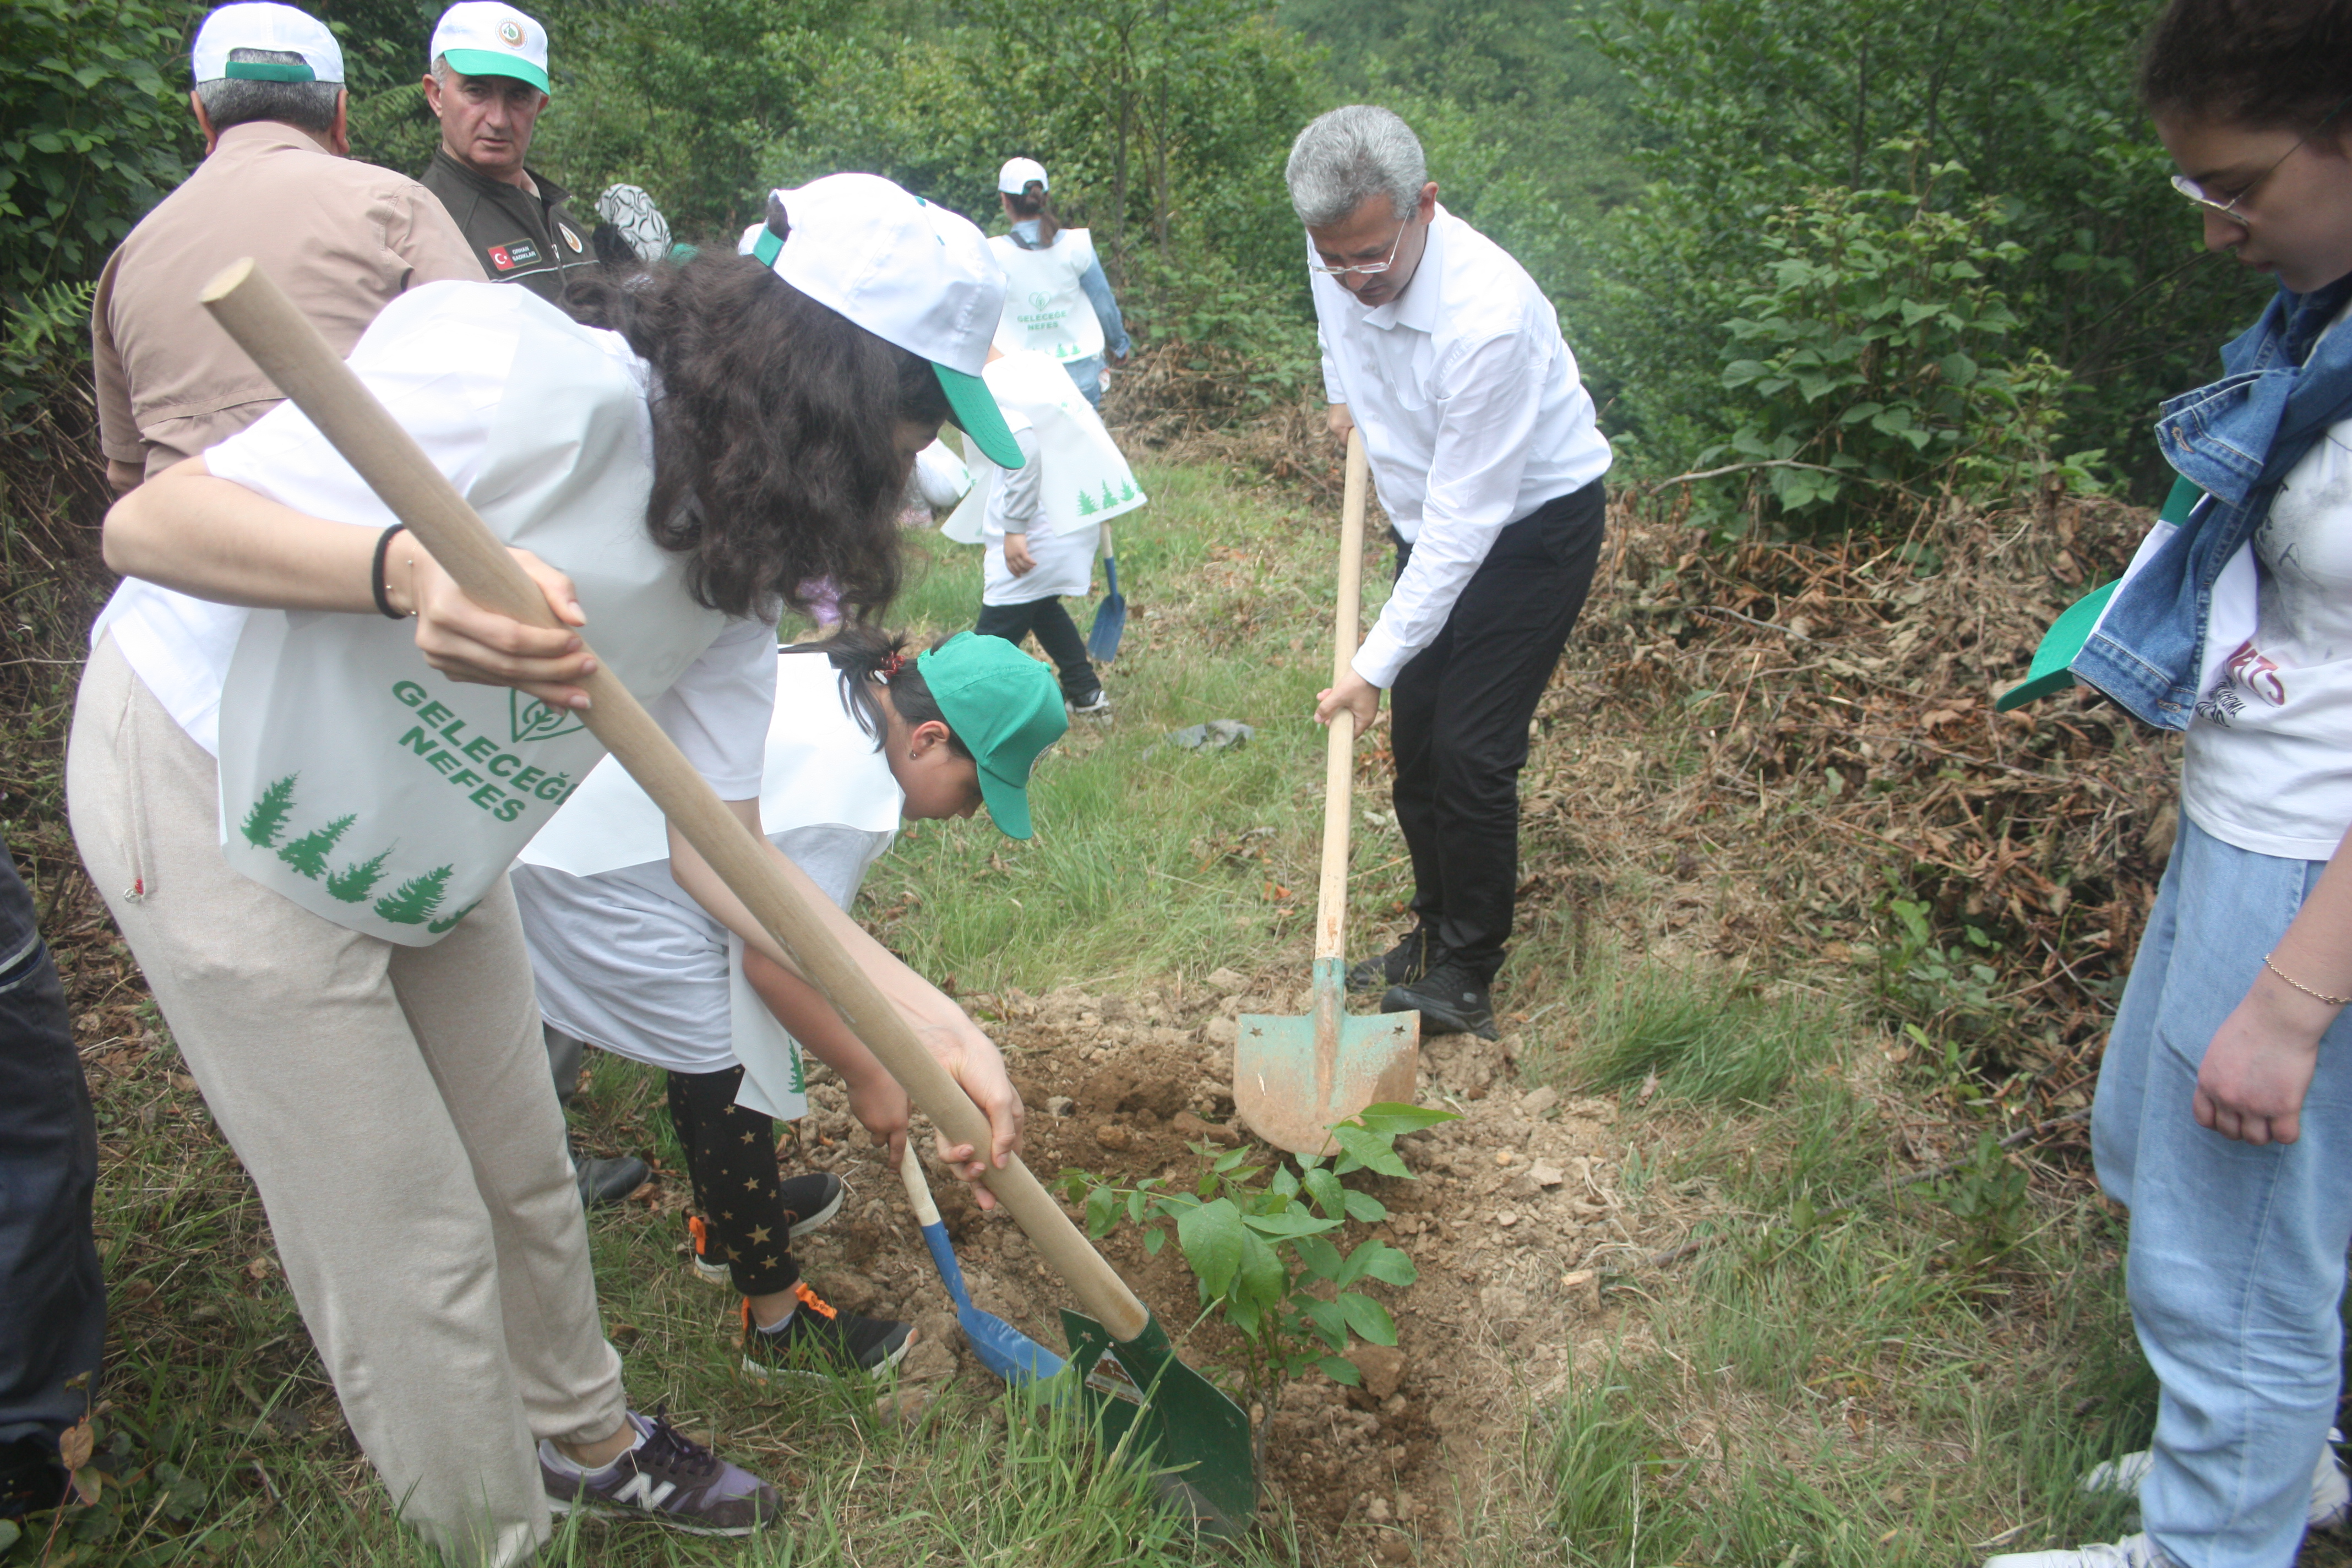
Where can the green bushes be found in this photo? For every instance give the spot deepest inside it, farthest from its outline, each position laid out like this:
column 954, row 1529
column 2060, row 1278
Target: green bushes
column 91, row 135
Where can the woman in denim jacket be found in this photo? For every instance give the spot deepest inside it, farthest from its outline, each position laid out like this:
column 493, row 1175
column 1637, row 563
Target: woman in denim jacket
column 2224, row 1112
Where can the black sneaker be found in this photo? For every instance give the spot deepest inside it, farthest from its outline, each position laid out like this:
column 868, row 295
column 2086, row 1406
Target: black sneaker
column 1096, row 705
column 32, row 1480
column 808, row 1202
column 666, row 1479
column 604, row 1183
column 1402, row 964
column 821, row 1339
column 1450, row 999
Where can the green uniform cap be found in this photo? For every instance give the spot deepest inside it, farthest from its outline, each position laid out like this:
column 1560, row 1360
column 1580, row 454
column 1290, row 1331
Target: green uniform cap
column 2052, row 662
column 1005, row 708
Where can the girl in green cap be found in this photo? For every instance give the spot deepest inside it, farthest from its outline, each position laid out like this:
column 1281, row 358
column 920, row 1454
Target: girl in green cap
column 864, row 735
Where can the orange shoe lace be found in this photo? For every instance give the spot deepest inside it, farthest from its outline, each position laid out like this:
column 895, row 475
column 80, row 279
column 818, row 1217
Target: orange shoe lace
column 701, row 1234
column 807, row 1297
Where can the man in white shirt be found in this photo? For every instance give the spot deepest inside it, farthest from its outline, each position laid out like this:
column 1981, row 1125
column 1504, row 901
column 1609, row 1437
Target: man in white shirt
column 1444, row 353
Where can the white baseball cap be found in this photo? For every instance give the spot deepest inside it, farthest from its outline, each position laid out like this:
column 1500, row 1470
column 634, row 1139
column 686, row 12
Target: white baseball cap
column 258, row 25
column 910, row 272
column 1014, row 177
column 482, row 37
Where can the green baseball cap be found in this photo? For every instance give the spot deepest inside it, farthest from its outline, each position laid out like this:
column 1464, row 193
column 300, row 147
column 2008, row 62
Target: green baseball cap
column 1005, row 708
column 2054, row 659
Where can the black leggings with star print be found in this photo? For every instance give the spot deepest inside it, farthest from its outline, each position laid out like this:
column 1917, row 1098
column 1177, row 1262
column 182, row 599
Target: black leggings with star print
column 731, row 1154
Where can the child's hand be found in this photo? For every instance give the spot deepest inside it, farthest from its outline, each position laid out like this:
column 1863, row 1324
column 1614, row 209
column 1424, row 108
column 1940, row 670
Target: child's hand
column 2258, row 1069
column 882, row 1108
column 971, row 1059
column 1017, row 559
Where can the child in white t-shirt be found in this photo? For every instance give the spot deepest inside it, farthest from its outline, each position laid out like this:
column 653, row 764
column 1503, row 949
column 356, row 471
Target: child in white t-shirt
column 1041, row 523
column 863, row 735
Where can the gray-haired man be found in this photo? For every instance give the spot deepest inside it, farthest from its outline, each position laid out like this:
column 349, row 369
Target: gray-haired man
column 1441, row 350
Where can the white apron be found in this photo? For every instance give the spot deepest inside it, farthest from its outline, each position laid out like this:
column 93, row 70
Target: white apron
column 820, row 768
column 1083, row 482
column 387, row 798
column 1045, row 309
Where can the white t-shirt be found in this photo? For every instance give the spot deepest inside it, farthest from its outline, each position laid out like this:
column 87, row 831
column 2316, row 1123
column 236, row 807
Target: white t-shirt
column 1472, row 414
column 441, row 359
column 624, row 958
column 1045, row 307
column 2268, row 762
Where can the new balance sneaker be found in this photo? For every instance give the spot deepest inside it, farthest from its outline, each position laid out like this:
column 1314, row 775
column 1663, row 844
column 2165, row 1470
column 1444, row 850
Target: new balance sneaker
column 808, row 1200
column 1450, row 999
column 1097, row 706
column 1402, row 964
column 2331, row 1490
column 666, row 1479
column 820, row 1339
column 2132, row 1552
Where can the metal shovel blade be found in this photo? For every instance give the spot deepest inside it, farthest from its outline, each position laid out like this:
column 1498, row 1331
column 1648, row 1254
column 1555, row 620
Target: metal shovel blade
column 1001, row 1348
column 1293, row 1077
column 1111, row 618
column 1196, row 1441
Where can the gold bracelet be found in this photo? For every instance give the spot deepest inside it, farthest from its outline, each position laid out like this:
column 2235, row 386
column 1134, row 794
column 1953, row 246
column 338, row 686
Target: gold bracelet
column 2307, row 991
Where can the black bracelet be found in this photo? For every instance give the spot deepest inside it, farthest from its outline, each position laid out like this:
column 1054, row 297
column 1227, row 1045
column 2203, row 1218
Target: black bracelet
column 377, row 584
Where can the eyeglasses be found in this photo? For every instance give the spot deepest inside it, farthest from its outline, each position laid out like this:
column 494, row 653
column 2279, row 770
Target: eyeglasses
column 1368, row 268
column 2231, row 208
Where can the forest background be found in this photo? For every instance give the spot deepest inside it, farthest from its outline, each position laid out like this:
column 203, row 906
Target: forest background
column 1866, row 255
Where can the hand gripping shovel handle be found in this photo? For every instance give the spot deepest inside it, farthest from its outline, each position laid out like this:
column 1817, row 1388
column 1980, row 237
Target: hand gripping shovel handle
column 1339, row 745
column 288, row 349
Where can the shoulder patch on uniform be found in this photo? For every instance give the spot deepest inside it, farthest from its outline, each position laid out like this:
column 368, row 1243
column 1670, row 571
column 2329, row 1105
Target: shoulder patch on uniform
column 569, row 238
column 514, row 253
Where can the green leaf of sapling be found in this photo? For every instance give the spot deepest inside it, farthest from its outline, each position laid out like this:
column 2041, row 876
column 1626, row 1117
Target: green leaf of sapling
column 1368, row 1318
column 1213, row 1240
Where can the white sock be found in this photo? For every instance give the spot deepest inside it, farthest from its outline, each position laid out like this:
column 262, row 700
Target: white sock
column 781, row 1324
column 566, row 1464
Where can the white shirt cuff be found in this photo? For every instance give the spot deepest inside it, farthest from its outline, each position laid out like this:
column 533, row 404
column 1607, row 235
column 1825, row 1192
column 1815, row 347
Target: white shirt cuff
column 1382, row 656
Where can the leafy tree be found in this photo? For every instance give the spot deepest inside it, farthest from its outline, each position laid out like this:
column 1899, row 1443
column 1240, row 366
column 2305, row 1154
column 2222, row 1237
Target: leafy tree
column 307, row 854
column 1743, row 106
column 94, row 128
column 267, row 821
column 354, row 882
column 414, row 902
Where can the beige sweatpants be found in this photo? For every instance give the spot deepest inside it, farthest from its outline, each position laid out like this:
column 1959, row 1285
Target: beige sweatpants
column 393, row 1104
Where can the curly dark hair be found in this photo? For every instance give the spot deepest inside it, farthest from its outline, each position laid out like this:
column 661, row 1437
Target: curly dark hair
column 2267, row 64
column 776, row 464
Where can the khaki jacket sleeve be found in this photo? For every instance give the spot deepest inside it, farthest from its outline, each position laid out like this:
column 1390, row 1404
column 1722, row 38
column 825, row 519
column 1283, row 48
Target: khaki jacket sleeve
column 118, row 426
column 420, row 231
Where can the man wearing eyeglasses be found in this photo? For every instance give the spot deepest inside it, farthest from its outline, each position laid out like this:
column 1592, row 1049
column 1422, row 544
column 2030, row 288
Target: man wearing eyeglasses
column 1447, row 355
column 1440, row 349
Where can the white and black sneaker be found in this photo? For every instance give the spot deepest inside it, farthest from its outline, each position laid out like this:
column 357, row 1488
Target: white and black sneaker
column 1097, row 705
column 809, row 1201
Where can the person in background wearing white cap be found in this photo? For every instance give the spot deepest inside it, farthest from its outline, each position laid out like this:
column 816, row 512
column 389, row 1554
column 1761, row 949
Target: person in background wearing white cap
column 1056, row 299
column 721, row 432
column 486, row 81
column 340, row 238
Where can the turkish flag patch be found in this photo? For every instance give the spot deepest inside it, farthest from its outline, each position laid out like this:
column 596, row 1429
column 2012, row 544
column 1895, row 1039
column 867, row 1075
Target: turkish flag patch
column 500, row 260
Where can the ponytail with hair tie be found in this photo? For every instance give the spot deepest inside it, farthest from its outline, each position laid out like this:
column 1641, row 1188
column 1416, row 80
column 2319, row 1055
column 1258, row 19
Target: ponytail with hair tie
column 869, row 660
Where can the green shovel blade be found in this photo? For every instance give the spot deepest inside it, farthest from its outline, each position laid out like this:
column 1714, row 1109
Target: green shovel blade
column 1196, row 1440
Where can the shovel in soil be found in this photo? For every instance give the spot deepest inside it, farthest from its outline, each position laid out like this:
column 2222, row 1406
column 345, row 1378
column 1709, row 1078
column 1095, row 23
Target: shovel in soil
column 1195, row 1441
column 1110, row 616
column 1001, row 1348
column 1293, row 1077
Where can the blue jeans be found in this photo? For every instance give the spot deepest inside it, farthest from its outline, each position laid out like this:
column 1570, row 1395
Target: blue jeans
column 2236, row 1261
column 1087, row 372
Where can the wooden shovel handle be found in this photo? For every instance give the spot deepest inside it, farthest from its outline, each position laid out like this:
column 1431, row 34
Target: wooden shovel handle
column 918, row 1188
column 1339, row 745
column 288, row 349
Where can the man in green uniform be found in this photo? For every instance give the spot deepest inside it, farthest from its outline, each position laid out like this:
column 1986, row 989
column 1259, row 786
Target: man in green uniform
column 487, row 84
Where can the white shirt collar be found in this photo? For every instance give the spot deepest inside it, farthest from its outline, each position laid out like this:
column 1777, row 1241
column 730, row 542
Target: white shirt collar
column 1417, row 307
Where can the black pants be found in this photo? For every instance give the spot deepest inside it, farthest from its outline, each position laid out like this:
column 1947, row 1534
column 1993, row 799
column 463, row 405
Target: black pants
column 52, row 1297
column 731, row 1157
column 1057, row 633
column 1459, row 714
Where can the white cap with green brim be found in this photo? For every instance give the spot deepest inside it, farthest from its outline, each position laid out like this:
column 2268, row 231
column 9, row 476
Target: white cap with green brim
column 482, row 37
column 912, row 273
column 1019, row 174
column 276, row 29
